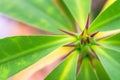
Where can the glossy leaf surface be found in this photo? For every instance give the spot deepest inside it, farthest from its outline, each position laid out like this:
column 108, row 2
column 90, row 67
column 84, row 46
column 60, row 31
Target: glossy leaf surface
column 79, row 10
column 38, row 13
column 51, row 58
column 112, row 42
column 100, row 71
column 66, row 70
column 109, row 19
column 18, row 53
column 86, row 71
column 110, row 60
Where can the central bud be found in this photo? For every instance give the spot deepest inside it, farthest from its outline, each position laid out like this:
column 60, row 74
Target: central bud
column 84, row 40
column 84, row 43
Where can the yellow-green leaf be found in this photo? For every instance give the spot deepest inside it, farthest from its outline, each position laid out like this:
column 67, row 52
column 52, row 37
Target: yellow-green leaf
column 107, row 20
column 86, row 71
column 79, row 10
column 66, row 70
column 112, row 42
column 17, row 53
column 110, row 60
column 38, row 13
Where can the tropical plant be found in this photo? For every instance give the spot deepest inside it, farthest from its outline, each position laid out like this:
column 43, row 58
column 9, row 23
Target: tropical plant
column 90, row 47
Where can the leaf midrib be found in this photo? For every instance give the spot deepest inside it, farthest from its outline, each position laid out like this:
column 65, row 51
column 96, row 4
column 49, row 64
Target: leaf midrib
column 104, row 54
column 104, row 22
column 30, row 50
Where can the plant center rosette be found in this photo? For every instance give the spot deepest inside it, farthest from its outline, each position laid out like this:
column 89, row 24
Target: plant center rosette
column 84, row 41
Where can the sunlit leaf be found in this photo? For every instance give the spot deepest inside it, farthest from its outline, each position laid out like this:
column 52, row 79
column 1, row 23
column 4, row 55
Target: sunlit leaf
column 97, row 6
column 100, row 72
column 79, row 10
column 86, row 72
column 18, row 53
column 38, row 13
column 64, row 9
column 42, row 63
column 29, row 54
column 110, row 60
column 108, row 19
column 112, row 42
column 105, row 34
column 66, row 70
column 108, row 3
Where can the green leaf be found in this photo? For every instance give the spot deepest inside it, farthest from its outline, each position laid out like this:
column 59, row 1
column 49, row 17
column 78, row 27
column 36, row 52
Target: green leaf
column 64, row 9
column 86, row 72
column 79, row 10
column 42, row 63
column 112, row 42
column 110, row 60
column 96, row 8
column 66, row 70
column 108, row 3
column 17, row 53
column 38, row 13
column 100, row 72
column 108, row 19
